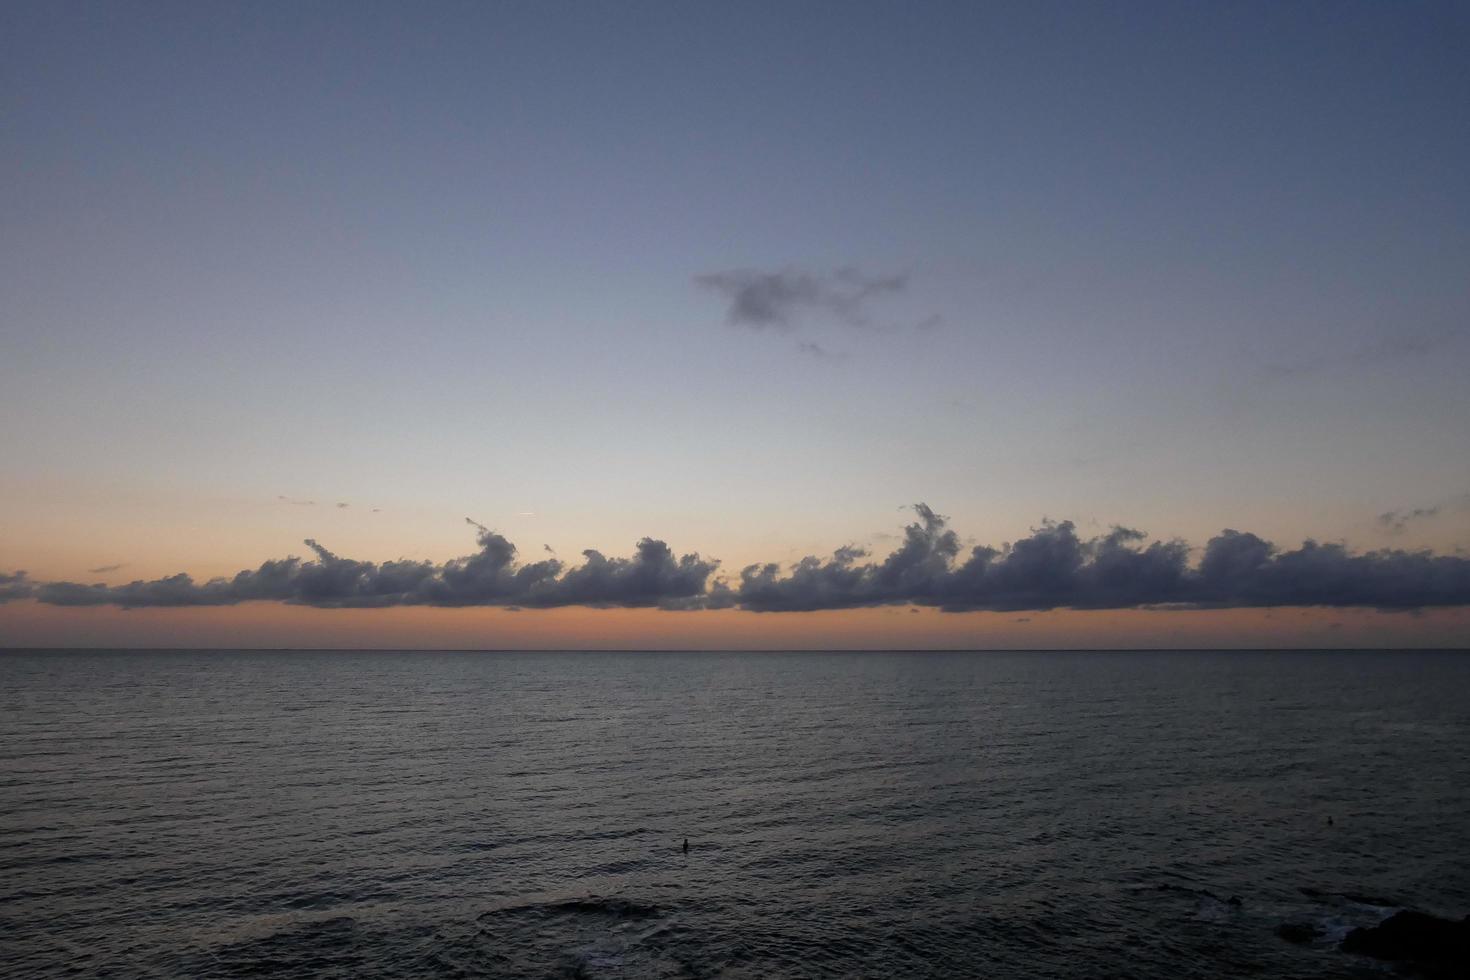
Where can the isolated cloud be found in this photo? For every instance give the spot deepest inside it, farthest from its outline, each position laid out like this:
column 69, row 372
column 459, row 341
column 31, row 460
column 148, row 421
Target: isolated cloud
column 14, row 585
column 1052, row 567
column 1383, row 350
column 1397, row 521
column 104, row 569
column 779, row 299
column 819, row 352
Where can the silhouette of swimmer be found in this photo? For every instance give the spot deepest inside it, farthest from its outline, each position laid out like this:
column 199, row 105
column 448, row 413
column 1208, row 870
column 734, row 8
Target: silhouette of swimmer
column 1329, row 821
column 686, row 845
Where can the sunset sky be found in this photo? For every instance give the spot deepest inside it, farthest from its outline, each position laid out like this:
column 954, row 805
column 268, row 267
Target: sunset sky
column 753, row 280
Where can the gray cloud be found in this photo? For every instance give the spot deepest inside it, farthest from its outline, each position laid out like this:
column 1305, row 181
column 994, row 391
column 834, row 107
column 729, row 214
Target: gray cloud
column 1052, row 567
column 104, row 569
column 14, row 585
column 1381, row 351
column 778, row 300
column 492, row 576
column 819, row 352
column 1396, row 521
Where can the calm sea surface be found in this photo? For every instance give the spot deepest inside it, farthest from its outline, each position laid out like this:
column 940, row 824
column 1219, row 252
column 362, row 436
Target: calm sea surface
column 210, row 814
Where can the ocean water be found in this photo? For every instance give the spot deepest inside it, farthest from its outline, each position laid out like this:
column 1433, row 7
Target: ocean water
column 223, row 814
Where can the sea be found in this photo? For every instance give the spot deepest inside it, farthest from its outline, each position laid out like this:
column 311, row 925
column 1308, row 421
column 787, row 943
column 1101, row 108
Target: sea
column 459, row 814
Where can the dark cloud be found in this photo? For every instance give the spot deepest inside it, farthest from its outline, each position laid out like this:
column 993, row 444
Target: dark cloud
column 104, row 569
column 14, row 585
column 652, row 577
column 779, row 299
column 492, row 576
column 342, row 506
column 1050, row 568
column 1054, row 568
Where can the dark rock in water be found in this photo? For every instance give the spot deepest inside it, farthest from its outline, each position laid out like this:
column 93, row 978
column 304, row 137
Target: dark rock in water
column 1299, row 932
column 1439, row 946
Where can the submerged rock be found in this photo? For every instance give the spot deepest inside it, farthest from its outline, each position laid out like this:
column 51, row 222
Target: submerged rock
column 1441, row 947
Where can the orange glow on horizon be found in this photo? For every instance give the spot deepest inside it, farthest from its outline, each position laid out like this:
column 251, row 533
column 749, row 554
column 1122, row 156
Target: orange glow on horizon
column 269, row 625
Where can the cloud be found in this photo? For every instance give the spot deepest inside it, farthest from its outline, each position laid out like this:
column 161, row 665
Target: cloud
column 819, row 352
column 14, row 585
column 1397, row 521
column 104, row 569
column 492, row 576
column 1052, row 567
column 1384, row 350
column 292, row 500
column 778, row 300
column 342, row 506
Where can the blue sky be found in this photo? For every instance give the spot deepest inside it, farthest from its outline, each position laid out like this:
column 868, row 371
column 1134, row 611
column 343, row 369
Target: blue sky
column 1181, row 267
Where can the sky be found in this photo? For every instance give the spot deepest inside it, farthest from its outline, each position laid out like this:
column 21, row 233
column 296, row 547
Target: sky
column 754, row 282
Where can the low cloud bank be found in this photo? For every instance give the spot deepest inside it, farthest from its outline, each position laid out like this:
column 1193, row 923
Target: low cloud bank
column 490, row 577
column 1054, row 568
column 14, row 585
column 1051, row 568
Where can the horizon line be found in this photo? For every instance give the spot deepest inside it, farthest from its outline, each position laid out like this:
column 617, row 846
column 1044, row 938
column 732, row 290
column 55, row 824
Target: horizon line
column 354, row 649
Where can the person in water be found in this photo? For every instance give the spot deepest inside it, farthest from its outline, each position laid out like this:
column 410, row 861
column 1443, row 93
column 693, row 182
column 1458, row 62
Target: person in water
column 686, row 845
